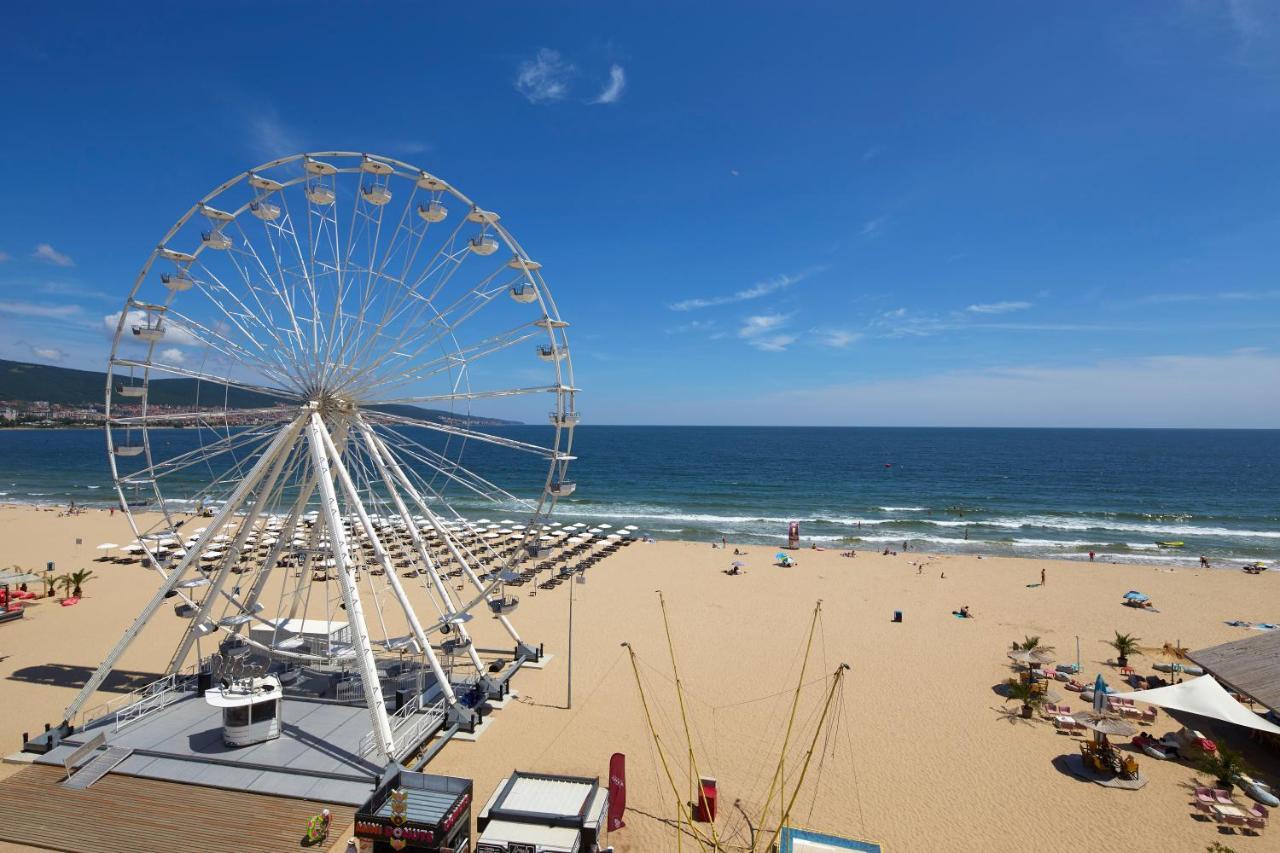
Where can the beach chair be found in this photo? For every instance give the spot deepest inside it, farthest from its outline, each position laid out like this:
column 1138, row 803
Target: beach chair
column 1256, row 824
column 1149, row 715
column 1222, row 797
column 1233, row 820
column 1204, row 795
column 1258, row 810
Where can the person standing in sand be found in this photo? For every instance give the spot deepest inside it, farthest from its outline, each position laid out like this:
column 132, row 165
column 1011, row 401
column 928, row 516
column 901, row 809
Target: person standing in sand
column 1042, row 576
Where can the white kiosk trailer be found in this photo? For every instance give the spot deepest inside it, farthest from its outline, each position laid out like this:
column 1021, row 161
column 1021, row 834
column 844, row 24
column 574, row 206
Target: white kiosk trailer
column 541, row 813
column 250, row 709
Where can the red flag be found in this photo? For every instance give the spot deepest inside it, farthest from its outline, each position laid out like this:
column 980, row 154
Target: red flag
column 617, row 790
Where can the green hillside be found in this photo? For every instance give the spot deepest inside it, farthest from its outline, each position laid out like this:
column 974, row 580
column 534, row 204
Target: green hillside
column 22, row 381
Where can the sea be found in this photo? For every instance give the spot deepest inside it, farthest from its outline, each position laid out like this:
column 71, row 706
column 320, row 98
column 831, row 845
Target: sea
column 1058, row 493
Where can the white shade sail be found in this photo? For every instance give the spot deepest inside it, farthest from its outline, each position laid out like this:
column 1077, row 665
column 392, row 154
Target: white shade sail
column 1203, row 696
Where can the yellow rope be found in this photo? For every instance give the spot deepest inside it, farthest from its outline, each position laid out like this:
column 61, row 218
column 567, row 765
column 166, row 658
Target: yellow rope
column 666, row 768
column 684, row 718
column 778, row 777
column 836, row 680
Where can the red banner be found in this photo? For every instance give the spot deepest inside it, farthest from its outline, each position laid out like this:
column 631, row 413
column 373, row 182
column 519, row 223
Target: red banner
column 617, row 790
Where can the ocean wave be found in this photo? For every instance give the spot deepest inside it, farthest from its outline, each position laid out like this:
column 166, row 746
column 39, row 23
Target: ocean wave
column 902, row 508
column 1057, row 523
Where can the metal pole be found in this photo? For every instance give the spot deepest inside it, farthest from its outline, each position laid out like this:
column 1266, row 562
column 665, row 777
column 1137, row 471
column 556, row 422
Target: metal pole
column 568, row 702
column 1077, row 653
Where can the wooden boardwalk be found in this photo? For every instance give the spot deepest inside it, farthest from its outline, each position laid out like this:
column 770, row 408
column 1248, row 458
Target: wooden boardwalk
column 134, row 815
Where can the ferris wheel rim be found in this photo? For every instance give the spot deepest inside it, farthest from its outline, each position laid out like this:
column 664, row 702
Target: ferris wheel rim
column 553, row 327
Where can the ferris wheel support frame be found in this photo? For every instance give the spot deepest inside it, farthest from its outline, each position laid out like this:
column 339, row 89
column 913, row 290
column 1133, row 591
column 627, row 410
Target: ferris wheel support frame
column 171, row 582
column 231, row 556
column 365, row 662
column 444, row 535
column 419, row 546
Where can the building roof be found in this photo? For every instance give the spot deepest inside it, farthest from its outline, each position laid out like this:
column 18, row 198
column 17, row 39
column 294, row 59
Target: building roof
column 504, row 833
column 1250, row 666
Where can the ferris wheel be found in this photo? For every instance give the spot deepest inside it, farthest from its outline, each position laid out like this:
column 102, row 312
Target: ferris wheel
column 309, row 400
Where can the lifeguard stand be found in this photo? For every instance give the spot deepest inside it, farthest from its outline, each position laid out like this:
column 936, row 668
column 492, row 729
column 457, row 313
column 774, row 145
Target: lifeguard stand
column 793, row 535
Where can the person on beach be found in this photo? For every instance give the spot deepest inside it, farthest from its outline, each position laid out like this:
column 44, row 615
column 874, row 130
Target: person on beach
column 1090, row 556
column 1204, row 562
column 724, row 541
column 1041, row 576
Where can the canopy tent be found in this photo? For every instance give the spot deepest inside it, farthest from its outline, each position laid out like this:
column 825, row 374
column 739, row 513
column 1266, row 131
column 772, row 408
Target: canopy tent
column 1203, row 696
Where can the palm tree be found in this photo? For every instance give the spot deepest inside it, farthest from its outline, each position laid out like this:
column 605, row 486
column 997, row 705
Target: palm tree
column 78, row 578
column 1026, row 693
column 1032, row 643
column 65, row 583
column 1225, row 765
column 1125, row 645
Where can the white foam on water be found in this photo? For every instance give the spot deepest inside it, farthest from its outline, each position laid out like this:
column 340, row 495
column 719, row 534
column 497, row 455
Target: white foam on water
column 903, row 508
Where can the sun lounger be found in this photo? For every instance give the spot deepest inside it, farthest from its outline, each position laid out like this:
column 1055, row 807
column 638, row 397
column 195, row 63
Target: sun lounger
column 1204, row 795
column 1222, row 797
column 1233, row 820
column 1256, row 824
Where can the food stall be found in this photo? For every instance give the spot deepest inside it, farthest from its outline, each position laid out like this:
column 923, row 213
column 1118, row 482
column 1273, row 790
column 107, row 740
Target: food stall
column 418, row 812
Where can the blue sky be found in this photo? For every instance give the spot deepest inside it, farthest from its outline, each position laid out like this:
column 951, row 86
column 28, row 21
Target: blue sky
column 818, row 213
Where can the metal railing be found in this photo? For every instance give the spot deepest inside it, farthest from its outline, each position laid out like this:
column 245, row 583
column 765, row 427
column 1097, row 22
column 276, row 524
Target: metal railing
column 146, row 699
column 409, row 726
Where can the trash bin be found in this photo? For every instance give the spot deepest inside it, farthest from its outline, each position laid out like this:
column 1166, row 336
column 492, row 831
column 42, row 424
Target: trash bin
column 897, row 616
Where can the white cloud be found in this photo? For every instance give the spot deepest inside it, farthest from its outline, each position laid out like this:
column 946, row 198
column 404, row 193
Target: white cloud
column 760, row 331
column 836, row 338
column 774, row 343
column 545, row 78
column 45, row 252
column 998, row 307
column 173, row 355
column 31, row 309
column 269, row 138
column 1142, row 392
column 872, row 227
column 612, row 91
column 755, row 291
column 692, row 326
column 48, row 353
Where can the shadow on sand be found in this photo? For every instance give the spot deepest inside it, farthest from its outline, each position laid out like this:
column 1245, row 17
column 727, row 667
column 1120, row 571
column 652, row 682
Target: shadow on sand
column 72, row 675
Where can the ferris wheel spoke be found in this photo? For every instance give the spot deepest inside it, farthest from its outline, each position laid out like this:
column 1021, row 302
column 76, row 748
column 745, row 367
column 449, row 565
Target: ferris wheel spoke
column 473, row 395
column 465, row 356
column 374, row 416
column 202, row 455
column 211, row 378
column 202, row 415
column 450, row 469
column 233, row 351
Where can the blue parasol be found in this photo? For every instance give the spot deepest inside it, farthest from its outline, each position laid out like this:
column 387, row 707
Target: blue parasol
column 1134, row 595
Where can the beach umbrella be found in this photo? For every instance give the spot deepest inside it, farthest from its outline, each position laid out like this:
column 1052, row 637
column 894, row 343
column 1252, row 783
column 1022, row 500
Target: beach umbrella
column 779, row 556
column 107, row 546
column 1134, row 595
column 1103, row 724
column 631, row 527
column 738, row 563
column 1032, row 657
column 605, row 526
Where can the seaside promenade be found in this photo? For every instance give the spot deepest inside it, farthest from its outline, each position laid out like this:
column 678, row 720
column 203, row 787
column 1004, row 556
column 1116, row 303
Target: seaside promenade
column 925, row 754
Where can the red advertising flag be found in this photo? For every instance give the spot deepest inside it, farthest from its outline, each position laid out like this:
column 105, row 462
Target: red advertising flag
column 617, row 790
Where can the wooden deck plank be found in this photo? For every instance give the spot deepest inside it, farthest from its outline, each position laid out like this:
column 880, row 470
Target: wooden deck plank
column 128, row 813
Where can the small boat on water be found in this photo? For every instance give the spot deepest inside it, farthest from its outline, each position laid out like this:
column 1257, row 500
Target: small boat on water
column 1171, row 543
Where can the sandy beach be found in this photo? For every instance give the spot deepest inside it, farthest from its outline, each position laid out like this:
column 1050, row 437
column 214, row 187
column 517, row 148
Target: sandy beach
column 921, row 753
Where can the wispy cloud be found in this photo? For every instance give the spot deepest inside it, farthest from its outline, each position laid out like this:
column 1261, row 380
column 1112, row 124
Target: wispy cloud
column 612, row 91
column 1147, row 391
column 755, row 291
column 871, row 228
column 45, row 252
column 47, row 353
column 1224, row 296
column 545, row 78
column 270, row 138
column 836, row 338
column 5, row 256
column 762, row 332
column 998, row 307
column 173, row 355
column 692, row 326
column 32, row 309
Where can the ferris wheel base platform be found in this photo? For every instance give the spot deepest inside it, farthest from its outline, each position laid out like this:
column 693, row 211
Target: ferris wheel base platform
column 540, row 663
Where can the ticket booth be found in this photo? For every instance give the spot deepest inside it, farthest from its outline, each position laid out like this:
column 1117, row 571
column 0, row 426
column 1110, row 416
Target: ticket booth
column 418, row 812
column 542, row 813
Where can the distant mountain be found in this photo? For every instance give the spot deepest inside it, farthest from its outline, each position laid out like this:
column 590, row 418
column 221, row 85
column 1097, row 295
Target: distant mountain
column 26, row 382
